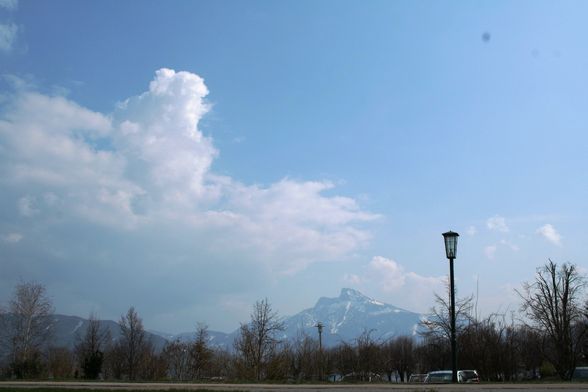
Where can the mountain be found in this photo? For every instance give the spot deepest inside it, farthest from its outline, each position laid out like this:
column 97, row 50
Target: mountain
column 66, row 330
column 215, row 338
column 346, row 317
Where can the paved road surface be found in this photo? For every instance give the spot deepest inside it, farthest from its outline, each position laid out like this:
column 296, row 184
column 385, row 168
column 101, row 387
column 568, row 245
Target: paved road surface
column 305, row 388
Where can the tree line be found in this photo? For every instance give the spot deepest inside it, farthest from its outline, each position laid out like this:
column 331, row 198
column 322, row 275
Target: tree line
column 547, row 338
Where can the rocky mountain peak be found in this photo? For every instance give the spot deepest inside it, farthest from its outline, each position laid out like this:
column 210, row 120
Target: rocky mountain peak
column 352, row 295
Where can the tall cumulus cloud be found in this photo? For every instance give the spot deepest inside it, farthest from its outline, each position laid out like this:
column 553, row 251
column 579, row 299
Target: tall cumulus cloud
column 145, row 172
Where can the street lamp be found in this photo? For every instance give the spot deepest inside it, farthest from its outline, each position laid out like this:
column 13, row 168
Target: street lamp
column 451, row 251
column 320, row 326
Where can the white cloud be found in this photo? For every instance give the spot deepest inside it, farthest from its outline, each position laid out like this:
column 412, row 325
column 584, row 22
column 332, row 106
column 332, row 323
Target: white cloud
column 392, row 279
column 352, row 279
column 510, row 245
column 159, row 137
column 497, row 223
column 56, row 147
column 12, row 238
column 490, row 251
column 548, row 232
column 19, row 82
column 26, row 206
column 392, row 275
column 148, row 165
column 8, row 33
column 471, row 231
column 10, row 5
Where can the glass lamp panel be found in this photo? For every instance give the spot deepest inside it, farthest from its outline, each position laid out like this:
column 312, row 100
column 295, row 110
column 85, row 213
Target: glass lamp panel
column 450, row 244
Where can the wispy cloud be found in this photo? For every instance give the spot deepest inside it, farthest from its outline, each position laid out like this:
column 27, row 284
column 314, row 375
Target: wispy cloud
column 510, row 245
column 352, row 279
column 8, row 34
column 497, row 223
column 10, row 5
column 12, row 238
column 148, row 165
column 391, row 278
column 26, row 206
column 548, row 232
column 490, row 251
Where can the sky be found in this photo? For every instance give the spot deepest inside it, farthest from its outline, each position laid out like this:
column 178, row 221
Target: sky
column 189, row 158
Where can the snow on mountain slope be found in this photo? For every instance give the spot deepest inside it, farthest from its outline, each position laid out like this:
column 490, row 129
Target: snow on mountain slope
column 346, row 317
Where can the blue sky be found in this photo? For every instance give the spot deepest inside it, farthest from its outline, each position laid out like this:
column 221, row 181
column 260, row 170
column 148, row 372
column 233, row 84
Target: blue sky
column 189, row 158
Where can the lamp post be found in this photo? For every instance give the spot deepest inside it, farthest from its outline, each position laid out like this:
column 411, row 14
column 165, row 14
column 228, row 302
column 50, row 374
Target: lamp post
column 320, row 326
column 451, row 251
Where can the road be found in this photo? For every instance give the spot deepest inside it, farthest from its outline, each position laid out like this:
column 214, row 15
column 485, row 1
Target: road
column 568, row 387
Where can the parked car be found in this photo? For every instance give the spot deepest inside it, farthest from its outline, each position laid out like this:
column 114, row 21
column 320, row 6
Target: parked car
column 580, row 374
column 446, row 376
column 439, row 377
column 417, row 378
column 468, row 376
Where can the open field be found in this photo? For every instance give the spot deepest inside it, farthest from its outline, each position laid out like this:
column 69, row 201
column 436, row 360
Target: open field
column 176, row 387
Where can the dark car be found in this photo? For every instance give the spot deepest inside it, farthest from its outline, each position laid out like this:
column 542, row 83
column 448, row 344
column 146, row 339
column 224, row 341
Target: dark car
column 580, row 374
column 446, row 376
column 417, row 378
column 439, row 377
column 468, row 376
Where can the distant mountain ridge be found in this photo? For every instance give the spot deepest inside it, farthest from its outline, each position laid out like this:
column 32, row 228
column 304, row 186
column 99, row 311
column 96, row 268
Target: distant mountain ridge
column 344, row 319
column 68, row 329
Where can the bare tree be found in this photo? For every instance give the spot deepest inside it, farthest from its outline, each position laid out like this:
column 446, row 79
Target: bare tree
column 551, row 302
column 530, row 350
column 436, row 329
column 438, row 321
column 258, row 339
column 491, row 346
column 200, row 353
column 114, row 362
column 30, row 313
column 5, row 345
column 133, row 342
column 399, row 356
column 221, row 364
column 245, row 358
column 60, row 362
column 90, row 349
column 152, row 365
column 344, row 358
column 305, row 362
column 367, row 353
column 177, row 357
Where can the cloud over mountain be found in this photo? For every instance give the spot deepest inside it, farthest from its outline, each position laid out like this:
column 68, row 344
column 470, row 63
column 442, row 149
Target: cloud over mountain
column 144, row 175
column 391, row 278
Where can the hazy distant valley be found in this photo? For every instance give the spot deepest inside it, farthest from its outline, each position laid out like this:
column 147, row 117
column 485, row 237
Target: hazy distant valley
column 344, row 318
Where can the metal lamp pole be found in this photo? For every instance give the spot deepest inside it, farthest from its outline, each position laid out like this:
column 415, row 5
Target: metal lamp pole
column 451, row 251
column 319, row 326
